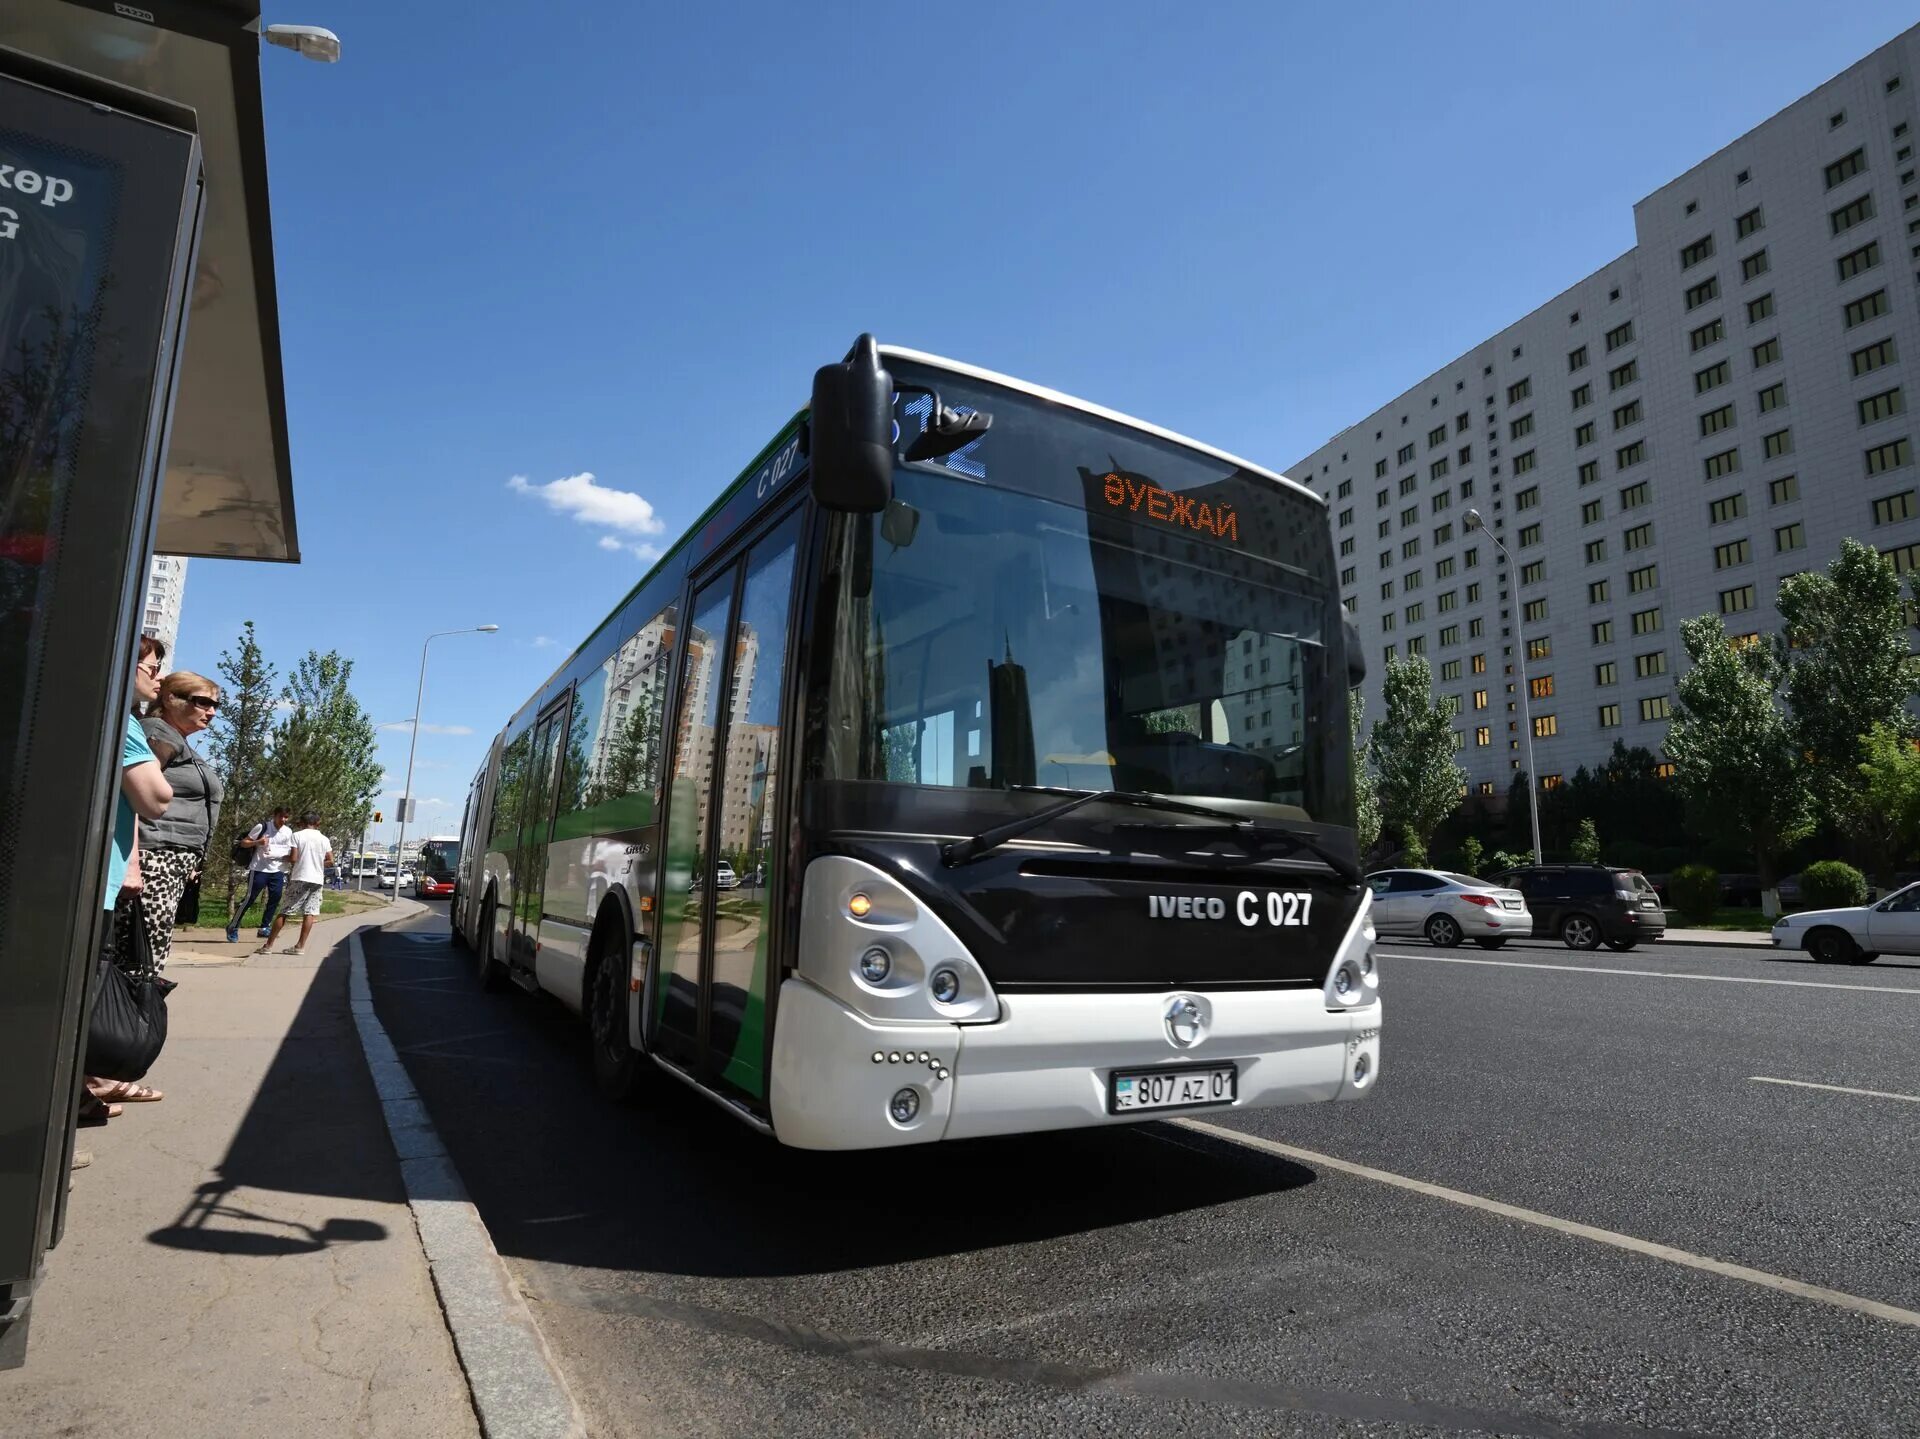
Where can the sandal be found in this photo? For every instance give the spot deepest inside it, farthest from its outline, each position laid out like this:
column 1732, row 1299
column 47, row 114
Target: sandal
column 124, row 1091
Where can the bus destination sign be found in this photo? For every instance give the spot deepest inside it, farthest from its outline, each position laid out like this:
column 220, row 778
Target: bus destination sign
column 1139, row 496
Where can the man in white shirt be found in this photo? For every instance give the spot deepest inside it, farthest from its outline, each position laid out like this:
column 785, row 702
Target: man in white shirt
column 271, row 841
column 312, row 852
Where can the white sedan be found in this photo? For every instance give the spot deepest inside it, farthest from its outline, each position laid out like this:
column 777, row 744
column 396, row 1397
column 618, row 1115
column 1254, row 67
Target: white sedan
column 1857, row 934
column 1447, row 908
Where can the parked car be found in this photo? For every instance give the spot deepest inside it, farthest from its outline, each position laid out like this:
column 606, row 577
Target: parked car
column 724, row 877
column 1857, row 934
column 1447, row 908
column 1583, row 904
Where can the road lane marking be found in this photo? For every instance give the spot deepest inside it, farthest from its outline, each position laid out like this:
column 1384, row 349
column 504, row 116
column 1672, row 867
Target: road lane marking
column 1836, row 1088
column 1654, row 973
column 1839, row 1299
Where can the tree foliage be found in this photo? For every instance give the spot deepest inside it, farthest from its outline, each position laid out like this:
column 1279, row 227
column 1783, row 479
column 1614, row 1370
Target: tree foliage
column 1472, row 855
column 1412, row 752
column 1883, row 809
column 324, row 748
column 1848, row 668
column 239, row 745
column 1735, row 752
column 1586, row 843
column 1366, row 799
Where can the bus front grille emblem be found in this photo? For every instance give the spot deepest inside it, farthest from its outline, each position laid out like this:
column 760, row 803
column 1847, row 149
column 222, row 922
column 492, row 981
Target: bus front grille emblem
column 1186, row 1022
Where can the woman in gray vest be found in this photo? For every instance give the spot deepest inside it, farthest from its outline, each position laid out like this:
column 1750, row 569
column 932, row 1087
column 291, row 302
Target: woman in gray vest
column 174, row 847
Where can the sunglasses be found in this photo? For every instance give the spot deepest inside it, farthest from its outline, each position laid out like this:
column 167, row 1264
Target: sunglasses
column 203, row 702
column 152, row 667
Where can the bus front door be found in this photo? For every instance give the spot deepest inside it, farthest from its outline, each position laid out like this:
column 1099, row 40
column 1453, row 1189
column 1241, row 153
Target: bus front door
column 710, row 1002
column 536, row 829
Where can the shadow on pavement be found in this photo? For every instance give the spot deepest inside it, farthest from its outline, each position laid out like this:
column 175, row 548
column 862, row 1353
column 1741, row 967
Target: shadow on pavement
column 670, row 1185
column 314, row 1128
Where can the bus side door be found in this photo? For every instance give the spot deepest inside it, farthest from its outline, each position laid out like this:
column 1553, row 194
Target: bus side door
column 536, row 828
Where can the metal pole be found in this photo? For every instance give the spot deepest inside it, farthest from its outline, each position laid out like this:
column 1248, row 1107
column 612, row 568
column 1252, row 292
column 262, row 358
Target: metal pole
column 1526, row 713
column 413, row 743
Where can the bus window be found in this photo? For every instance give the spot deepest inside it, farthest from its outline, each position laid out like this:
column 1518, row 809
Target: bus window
column 611, row 779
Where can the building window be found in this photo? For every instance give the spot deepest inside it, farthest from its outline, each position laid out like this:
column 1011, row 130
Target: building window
column 1590, row 512
column 1728, row 507
column 1884, row 405
column 1447, row 600
column 1346, row 547
column 1631, row 455
column 1845, row 168
column 1711, row 333
column 1734, row 552
column 1404, row 455
column 1577, row 360
column 1874, row 357
column 1410, row 548
column 1379, row 469
column 1627, row 414
column 1773, row 397
column 1443, row 534
column 1606, row 673
column 1905, row 559
column 1596, row 551
column 1727, row 462
column 1779, row 443
column 1524, row 462
column 1597, row 593
column 1646, row 622
column 1867, row 307
column 1700, row 249
column 1890, row 456
column 1436, row 437
column 1479, row 664
column 1648, row 665
column 1590, row 472
column 1783, row 490
column 1479, row 699
column 1634, row 496
column 1386, row 528
column 1609, row 716
column 1539, row 649
column 1623, row 375
column 1521, row 426
column 1450, row 670
column 1736, row 600
column 1619, row 335
column 1655, row 707
column 1603, row 632
column 1519, row 390
column 1483, row 736
column 1438, row 469
column 1541, row 687
column 1546, row 726
column 1710, row 378
column 1582, row 396
column 1766, row 352
column 1527, row 498
column 1472, row 560
column 1347, row 575
column 1847, row 216
column 1891, row 509
column 1714, row 421
column 1473, row 593
column 1789, row 537
column 1465, row 456
column 1410, row 515
column 1639, row 537
column 1408, row 484
column 1529, row 535
column 1440, row 501
column 1753, row 266
column 1386, row 589
column 1583, row 434
column 1698, row 295
column 1387, row 621
column 1533, row 572
column 1382, row 499
column 1855, row 261
column 1416, row 612
column 1759, row 308
column 1449, row 635
column 1443, row 567
column 1643, row 579
column 1751, row 223
column 1461, row 422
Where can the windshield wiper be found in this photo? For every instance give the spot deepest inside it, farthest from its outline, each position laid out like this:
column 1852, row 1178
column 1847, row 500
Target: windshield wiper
column 1258, row 836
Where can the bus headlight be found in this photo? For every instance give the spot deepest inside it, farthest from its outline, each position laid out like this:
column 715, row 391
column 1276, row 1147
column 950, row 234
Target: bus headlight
column 945, row 985
column 875, row 965
column 872, row 944
column 1345, row 982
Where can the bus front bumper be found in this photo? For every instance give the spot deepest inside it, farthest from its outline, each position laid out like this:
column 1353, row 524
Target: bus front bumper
column 1047, row 1062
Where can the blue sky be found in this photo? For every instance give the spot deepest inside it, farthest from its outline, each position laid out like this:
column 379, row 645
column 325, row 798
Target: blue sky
column 615, row 241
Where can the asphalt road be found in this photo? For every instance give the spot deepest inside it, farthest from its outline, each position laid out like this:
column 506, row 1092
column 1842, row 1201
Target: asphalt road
column 693, row 1278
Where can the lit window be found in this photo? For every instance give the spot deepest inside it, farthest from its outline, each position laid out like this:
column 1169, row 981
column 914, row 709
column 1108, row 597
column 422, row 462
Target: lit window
column 1603, row 632
column 1606, row 674
column 1545, row 726
column 1646, row 622
column 1483, row 736
column 1541, row 687
column 1539, row 649
column 1645, row 578
column 1597, row 592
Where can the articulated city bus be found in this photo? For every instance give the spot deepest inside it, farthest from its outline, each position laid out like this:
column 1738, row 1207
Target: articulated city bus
column 977, row 764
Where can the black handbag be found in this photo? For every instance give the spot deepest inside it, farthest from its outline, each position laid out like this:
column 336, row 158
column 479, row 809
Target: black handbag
column 188, row 912
column 127, row 1024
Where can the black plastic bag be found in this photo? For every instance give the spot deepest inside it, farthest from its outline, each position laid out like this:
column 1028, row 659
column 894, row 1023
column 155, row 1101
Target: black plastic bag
column 127, row 1025
column 188, row 913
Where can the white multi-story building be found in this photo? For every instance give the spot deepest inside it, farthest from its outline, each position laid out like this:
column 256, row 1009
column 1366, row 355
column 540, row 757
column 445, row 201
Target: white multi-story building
column 166, row 592
column 1711, row 412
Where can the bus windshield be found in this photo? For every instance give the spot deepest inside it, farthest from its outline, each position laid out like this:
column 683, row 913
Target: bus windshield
column 439, row 858
column 1008, row 639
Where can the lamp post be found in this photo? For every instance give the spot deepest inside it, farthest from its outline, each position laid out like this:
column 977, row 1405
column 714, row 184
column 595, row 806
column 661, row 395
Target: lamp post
column 1475, row 522
column 413, row 743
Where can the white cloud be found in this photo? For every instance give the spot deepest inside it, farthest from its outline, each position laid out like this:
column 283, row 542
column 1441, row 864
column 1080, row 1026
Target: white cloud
column 592, row 503
column 405, row 725
column 420, row 801
column 542, row 642
column 611, row 542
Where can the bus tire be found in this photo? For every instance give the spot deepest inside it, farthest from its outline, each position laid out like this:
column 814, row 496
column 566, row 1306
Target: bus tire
column 491, row 972
column 456, row 935
column 616, row 1063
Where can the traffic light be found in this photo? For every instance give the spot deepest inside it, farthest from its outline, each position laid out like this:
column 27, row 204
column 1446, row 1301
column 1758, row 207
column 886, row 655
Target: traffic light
column 376, row 816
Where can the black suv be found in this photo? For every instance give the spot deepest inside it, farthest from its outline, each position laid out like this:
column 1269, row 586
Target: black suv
column 1584, row 904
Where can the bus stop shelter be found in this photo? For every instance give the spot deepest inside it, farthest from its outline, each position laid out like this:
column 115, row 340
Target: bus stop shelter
column 141, row 408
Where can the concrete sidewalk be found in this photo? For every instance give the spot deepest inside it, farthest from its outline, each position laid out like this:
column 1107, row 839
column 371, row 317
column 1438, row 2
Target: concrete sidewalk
column 1723, row 938
column 240, row 1258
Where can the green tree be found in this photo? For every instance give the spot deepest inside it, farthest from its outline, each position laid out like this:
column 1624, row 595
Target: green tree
column 1586, row 843
column 1737, row 760
column 1412, row 750
column 1848, row 668
column 324, row 748
column 239, row 744
column 1472, row 854
column 1366, row 798
column 1884, row 816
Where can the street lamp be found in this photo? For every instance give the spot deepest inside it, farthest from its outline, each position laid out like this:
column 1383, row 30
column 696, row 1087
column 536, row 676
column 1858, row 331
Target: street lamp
column 312, row 41
column 1474, row 522
column 413, row 743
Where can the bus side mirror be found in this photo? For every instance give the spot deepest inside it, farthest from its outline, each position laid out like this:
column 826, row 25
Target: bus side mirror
column 1356, row 660
column 851, row 442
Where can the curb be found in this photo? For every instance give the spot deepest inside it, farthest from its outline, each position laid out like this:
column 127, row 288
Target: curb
column 515, row 1386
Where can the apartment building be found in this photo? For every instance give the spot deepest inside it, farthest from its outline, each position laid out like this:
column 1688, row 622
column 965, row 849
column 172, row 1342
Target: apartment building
column 166, row 593
column 1671, row 436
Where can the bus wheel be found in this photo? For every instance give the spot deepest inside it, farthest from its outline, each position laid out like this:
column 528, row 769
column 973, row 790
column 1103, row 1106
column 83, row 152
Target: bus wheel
column 492, row 973
column 616, row 1063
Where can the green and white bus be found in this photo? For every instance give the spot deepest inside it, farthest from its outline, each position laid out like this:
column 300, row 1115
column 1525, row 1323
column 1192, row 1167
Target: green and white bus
column 976, row 764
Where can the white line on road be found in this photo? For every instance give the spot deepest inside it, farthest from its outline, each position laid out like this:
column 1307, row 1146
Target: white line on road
column 1838, row 1298
column 1655, row 973
column 1836, row 1088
